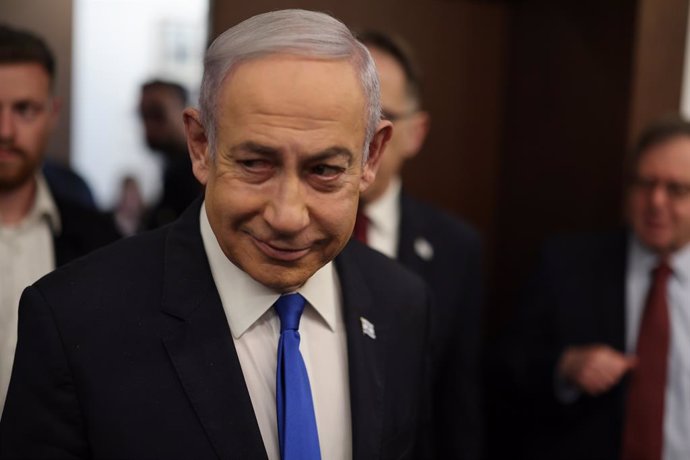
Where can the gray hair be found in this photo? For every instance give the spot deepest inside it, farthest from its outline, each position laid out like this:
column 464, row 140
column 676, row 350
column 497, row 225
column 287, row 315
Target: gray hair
column 293, row 31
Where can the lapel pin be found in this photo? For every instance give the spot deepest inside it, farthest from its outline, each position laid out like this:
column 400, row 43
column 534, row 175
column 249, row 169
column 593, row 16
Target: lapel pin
column 424, row 249
column 367, row 328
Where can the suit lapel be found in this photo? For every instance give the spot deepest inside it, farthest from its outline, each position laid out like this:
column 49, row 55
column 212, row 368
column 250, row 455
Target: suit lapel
column 411, row 229
column 198, row 341
column 365, row 354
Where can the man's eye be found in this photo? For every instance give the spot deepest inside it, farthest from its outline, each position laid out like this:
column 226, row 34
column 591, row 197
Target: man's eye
column 255, row 164
column 27, row 110
column 327, row 171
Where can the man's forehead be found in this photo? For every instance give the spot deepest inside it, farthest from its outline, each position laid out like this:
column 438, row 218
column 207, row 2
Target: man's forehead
column 294, row 86
column 24, row 79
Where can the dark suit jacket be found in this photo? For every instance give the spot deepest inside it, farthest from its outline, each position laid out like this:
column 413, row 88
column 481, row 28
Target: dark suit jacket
column 576, row 298
column 454, row 274
column 127, row 354
column 83, row 230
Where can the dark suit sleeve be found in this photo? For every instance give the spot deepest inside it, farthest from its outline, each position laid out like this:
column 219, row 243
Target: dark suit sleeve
column 42, row 418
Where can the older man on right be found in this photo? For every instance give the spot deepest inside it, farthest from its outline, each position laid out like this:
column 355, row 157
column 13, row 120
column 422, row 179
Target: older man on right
column 606, row 328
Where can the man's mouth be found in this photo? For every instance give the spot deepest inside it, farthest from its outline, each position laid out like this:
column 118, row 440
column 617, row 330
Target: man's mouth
column 281, row 252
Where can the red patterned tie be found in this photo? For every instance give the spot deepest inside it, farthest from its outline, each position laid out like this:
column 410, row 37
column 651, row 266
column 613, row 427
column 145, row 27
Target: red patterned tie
column 643, row 435
column 361, row 226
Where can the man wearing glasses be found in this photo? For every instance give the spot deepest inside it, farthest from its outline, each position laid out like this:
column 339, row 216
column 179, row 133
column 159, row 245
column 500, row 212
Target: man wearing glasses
column 442, row 249
column 606, row 328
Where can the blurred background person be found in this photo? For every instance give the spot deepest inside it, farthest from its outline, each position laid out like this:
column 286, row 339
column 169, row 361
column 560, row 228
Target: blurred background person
column 130, row 209
column 160, row 108
column 441, row 248
column 605, row 328
column 39, row 230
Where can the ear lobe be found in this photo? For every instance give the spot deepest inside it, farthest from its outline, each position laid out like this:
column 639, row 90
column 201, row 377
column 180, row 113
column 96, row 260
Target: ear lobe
column 377, row 146
column 197, row 144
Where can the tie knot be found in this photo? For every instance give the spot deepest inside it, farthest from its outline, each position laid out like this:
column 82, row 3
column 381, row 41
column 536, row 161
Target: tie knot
column 289, row 308
column 662, row 271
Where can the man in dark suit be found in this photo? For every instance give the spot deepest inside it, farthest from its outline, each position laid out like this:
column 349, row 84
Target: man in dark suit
column 604, row 375
column 441, row 248
column 164, row 345
column 160, row 108
column 39, row 230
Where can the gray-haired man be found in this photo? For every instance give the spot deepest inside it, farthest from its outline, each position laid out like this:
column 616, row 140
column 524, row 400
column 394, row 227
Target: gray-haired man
column 165, row 346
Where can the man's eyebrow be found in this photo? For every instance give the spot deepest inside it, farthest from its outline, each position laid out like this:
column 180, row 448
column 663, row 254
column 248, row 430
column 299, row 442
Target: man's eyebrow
column 332, row 152
column 260, row 149
column 254, row 147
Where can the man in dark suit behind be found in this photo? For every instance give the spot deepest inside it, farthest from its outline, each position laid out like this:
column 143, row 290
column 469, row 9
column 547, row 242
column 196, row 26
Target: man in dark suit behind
column 39, row 229
column 441, row 248
column 164, row 345
column 598, row 376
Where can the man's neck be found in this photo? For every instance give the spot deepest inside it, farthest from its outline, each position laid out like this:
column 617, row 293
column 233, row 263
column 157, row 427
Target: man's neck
column 15, row 204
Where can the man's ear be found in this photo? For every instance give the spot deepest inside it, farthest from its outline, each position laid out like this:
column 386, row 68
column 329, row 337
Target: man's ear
column 376, row 148
column 54, row 107
column 197, row 144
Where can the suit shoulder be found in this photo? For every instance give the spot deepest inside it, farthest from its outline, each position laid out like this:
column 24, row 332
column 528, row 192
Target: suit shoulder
column 128, row 258
column 90, row 227
column 438, row 222
column 584, row 246
column 381, row 270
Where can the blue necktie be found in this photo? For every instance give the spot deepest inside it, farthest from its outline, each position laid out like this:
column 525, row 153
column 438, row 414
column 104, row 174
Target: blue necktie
column 299, row 439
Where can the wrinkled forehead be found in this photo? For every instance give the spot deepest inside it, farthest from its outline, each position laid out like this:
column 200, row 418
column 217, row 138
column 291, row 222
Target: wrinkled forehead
column 294, row 83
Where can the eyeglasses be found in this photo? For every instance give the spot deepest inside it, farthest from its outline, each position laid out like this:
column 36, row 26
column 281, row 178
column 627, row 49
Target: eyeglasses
column 674, row 189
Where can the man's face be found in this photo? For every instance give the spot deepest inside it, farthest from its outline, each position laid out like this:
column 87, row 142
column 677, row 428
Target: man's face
column 410, row 125
column 28, row 114
column 282, row 192
column 161, row 112
column 659, row 200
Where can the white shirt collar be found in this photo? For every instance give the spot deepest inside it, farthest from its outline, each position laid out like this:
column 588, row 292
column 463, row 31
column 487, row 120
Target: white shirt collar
column 245, row 300
column 43, row 208
column 384, row 213
column 644, row 259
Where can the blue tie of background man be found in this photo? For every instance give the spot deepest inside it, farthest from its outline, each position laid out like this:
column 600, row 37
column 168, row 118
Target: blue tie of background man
column 299, row 438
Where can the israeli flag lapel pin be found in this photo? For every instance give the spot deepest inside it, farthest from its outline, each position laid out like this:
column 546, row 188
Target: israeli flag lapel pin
column 367, row 328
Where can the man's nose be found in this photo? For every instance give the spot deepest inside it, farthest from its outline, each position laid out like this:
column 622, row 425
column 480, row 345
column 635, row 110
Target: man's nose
column 7, row 126
column 659, row 195
column 287, row 211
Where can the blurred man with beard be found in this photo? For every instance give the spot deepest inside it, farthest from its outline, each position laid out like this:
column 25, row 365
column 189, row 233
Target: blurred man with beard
column 37, row 231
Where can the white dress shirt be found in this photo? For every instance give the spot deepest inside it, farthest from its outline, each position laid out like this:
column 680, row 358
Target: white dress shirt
column 641, row 262
column 26, row 254
column 255, row 329
column 383, row 232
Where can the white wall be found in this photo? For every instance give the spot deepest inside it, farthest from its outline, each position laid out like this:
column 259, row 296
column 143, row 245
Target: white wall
column 118, row 44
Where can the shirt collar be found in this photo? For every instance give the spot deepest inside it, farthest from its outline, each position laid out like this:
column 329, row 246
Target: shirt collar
column 646, row 259
column 44, row 206
column 245, row 300
column 384, row 213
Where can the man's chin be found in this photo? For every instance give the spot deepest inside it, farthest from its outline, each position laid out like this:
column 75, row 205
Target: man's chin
column 12, row 182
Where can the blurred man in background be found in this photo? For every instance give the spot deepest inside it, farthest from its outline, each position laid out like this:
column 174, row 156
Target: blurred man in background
column 160, row 108
column 604, row 333
column 444, row 250
column 38, row 229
